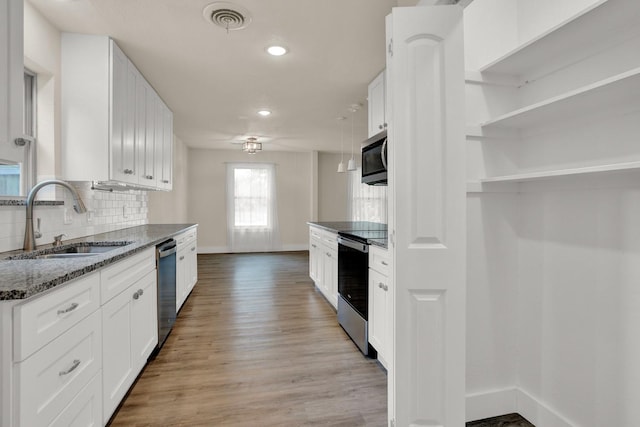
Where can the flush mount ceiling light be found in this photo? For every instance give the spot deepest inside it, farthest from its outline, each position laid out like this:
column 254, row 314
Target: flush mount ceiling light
column 252, row 146
column 227, row 15
column 277, row 50
column 264, row 113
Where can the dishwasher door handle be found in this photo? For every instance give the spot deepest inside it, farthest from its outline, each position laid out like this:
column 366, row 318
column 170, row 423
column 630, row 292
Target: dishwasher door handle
column 361, row 247
column 167, row 252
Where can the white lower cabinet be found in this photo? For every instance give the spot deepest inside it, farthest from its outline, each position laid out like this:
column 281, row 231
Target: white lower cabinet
column 85, row 409
column 380, row 304
column 186, row 265
column 48, row 381
column 323, row 262
column 129, row 336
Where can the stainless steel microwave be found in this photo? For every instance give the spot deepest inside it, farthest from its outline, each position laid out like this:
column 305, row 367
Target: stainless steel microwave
column 374, row 160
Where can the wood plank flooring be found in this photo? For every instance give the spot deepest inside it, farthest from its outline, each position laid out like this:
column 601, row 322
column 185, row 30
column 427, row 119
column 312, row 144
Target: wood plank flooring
column 256, row 345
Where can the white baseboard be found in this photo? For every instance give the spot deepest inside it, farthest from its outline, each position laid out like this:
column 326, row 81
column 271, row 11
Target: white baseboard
column 538, row 413
column 491, row 403
column 225, row 249
column 505, row 401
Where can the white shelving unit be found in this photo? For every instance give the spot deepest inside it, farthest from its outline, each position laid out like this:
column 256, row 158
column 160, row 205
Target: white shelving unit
column 603, row 95
column 574, row 36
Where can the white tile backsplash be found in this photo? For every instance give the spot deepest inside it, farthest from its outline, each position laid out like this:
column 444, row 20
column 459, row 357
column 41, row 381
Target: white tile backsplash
column 108, row 211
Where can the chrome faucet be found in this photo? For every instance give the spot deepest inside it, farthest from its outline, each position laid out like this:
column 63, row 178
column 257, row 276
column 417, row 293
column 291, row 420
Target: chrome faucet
column 78, row 206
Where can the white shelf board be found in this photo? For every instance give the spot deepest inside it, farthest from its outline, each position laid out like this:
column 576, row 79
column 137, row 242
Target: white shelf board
column 600, row 21
column 597, row 97
column 534, row 176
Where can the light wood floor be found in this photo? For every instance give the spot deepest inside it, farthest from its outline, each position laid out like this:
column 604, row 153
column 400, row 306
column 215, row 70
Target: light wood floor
column 256, row 345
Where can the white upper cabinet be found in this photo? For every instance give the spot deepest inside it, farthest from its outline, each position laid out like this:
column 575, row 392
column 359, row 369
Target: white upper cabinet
column 11, row 79
column 113, row 122
column 376, row 97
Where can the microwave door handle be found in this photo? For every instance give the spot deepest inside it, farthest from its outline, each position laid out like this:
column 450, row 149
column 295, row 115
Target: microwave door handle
column 383, row 154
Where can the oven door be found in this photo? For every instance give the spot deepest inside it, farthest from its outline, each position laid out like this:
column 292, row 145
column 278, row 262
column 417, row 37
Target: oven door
column 353, row 274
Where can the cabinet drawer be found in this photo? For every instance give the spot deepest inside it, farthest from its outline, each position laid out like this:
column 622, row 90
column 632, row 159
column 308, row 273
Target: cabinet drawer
column 330, row 240
column 186, row 237
column 85, row 409
column 48, row 381
column 314, row 233
column 38, row 322
column 118, row 277
column 379, row 260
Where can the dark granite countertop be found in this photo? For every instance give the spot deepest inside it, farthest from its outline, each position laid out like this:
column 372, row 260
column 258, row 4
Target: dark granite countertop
column 354, row 226
column 24, row 278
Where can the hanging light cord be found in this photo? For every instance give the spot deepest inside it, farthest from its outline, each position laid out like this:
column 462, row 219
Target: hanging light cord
column 353, row 111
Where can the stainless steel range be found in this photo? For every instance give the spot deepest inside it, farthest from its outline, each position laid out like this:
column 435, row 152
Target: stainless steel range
column 353, row 286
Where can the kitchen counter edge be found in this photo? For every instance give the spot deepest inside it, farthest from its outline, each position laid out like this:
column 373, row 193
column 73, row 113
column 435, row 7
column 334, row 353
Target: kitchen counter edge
column 22, row 279
column 346, row 226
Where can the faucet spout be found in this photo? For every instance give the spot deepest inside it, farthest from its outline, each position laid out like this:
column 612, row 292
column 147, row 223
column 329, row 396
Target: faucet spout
column 78, row 206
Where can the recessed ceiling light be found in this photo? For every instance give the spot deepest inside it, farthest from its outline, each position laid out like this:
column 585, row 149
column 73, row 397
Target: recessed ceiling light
column 264, row 113
column 276, row 50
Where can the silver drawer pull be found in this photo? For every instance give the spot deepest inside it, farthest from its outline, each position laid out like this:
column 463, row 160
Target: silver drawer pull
column 328, row 254
column 136, row 295
column 73, row 367
column 314, row 246
column 181, row 258
column 381, row 285
column 383, row 262
column 149, row 176
column 140, row 292
column 72, row 307
column 128, row 171
column 165, row 181
column 193, row 249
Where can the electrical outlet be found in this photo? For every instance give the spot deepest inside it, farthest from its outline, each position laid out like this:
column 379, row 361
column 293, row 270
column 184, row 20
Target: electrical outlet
column 68, row 216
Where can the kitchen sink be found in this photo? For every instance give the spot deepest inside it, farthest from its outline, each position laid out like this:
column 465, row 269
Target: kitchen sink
column 74, row 250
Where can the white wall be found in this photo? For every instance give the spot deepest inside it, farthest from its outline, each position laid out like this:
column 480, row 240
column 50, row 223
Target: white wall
column 207, row 195
column 171, row 207
column 332, row 189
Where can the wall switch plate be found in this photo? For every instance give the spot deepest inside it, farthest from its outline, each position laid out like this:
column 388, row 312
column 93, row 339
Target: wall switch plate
column 68, row 216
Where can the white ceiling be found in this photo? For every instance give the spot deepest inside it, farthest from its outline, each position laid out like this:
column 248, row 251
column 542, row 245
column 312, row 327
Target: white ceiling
column 215, row 82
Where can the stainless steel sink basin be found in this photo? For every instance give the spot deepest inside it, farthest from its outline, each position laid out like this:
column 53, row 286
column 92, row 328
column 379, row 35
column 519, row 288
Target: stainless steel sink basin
column 74, row 250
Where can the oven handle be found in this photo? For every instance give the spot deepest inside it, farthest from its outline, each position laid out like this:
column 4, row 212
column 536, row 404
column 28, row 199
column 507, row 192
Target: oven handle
column 361, row 247
column 383, row 154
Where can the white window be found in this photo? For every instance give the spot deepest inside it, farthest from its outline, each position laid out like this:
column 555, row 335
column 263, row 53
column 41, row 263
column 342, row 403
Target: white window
column 17, row 178
column 252, row 221
column 367, row 202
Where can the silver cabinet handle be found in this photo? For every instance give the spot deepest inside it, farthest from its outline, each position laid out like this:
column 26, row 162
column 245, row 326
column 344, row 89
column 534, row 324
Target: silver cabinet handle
column 149, row 176
column 128, row 171
column 314, row 246
column 165, row 181
column 72, row 307
column 73, row 367
column 140, row 292
column 193, row 249
column 181, row 258
column 328, row 254
column 383, row 262
column 383, row 286
column 379, row 126
column 136, row 295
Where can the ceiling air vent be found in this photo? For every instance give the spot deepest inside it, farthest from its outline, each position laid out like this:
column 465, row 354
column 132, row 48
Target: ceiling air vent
column 227, row 15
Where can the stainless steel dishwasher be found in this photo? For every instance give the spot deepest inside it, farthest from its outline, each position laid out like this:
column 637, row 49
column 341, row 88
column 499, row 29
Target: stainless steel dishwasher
column 166, row 263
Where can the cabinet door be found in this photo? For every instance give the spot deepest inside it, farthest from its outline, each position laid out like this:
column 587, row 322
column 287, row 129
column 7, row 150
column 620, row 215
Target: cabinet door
column 119, row 365
column 148, row 172
column 181, row 276
column 144, row 329
column 192, row 257
column 166, row 175
column 11, row 79
column 379, row 314
column 158, row 142
column 123, row 98
column 331, row 276
column 314, row 256
column 376, row 97
column 427, row 214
